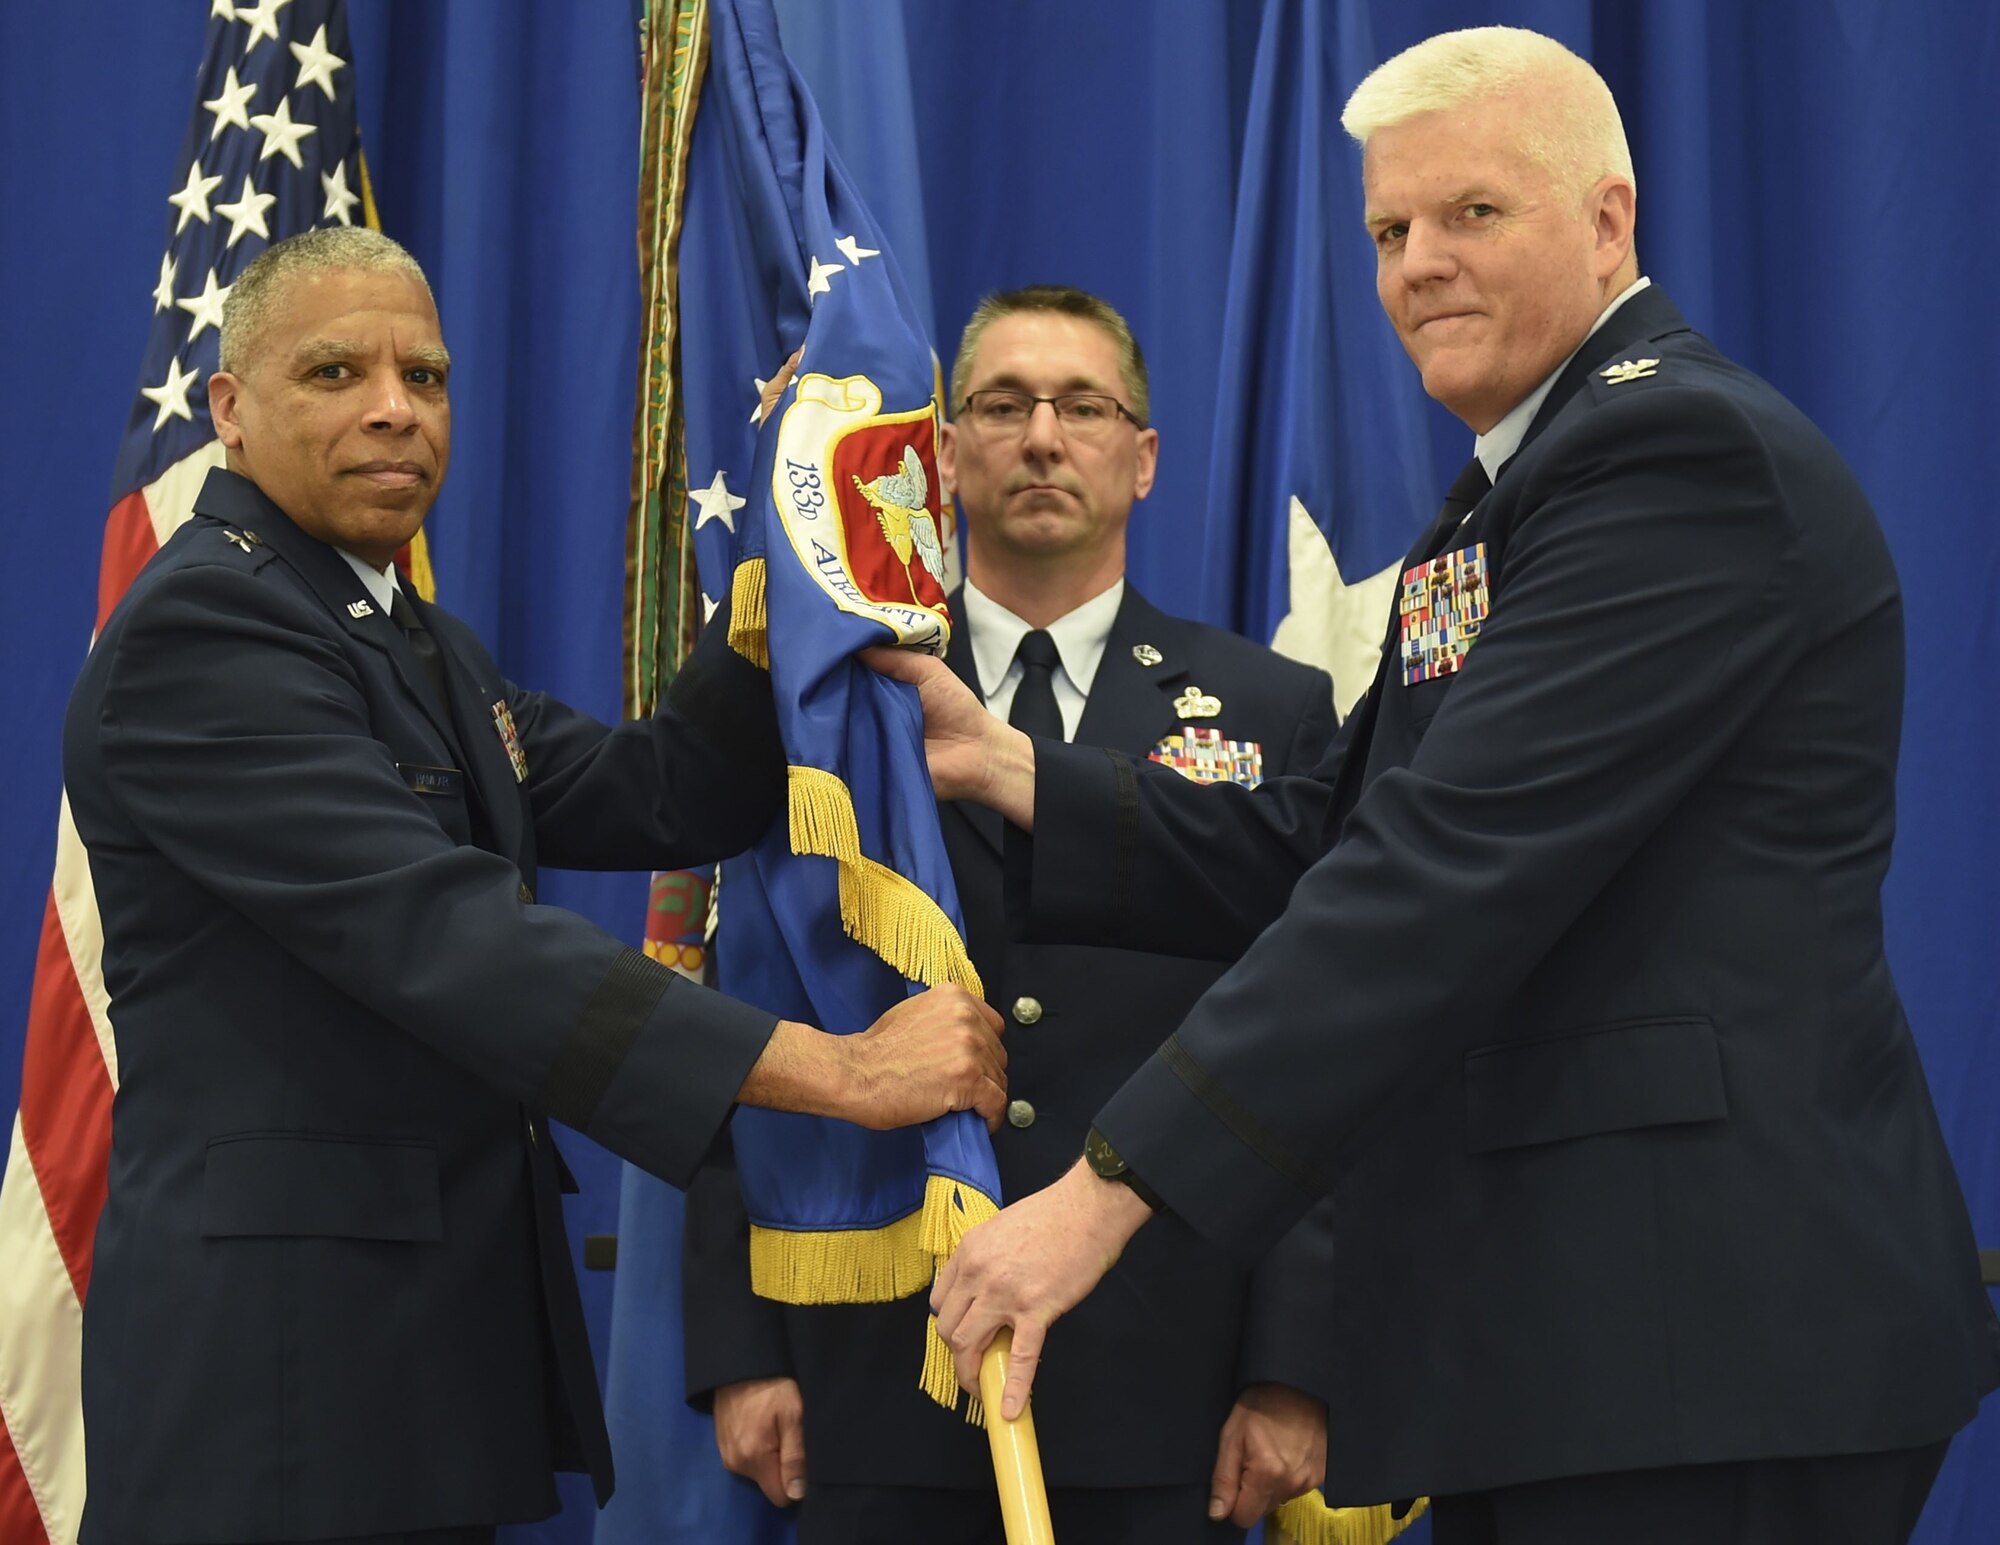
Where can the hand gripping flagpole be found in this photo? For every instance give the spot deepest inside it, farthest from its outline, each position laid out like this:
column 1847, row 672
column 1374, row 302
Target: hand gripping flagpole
column 1017, row 1458
column 815, row 555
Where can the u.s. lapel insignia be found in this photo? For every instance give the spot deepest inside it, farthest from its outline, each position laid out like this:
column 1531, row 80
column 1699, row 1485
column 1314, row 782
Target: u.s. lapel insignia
column 503, row 724
column 243, row 539
column 1147, row 655
column 1196, row 704
column 359, row 609
column 1629, row 370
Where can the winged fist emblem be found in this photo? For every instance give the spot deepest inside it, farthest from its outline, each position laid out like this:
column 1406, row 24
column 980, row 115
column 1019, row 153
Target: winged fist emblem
column 899, row 499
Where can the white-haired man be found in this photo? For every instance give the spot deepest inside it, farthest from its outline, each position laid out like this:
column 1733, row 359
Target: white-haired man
column 1567, row 978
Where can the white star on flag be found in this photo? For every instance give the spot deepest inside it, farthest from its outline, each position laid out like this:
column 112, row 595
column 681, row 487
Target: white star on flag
column 338, row 200
column 171, row 395
column 263, row 19
column 163, row 292
column 247, row 213
column 854, row 252
column 708, row 607
column 229, row 107
column 757, row 413
column 192, row 200
column 816, row 281
column 224, row 9
column 1332, row 623
column 717, row 502
column 281, row 135
column 317, row 63
column 205, row 308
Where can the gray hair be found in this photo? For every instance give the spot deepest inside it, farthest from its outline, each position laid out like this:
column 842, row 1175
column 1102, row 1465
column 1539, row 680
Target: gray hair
column 1571, row 128
column 1062, row 300
column 255, row 295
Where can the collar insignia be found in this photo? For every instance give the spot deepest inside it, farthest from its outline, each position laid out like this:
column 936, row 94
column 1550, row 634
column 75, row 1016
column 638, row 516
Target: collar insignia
column 1629, row 370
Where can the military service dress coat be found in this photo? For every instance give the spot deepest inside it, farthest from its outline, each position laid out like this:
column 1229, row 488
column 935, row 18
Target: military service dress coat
column 1137, row 1382
column 1564, row 976
column 331, row 1293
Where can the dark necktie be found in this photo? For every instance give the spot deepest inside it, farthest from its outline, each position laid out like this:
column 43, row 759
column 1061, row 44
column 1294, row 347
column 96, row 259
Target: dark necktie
column 422, row 645
column 1467, row 489
column 1034, row 710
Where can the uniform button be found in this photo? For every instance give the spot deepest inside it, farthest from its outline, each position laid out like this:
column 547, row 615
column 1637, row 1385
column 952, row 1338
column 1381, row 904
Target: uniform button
column 1027, row 1010
column 527, row 893
column 1020, row 1113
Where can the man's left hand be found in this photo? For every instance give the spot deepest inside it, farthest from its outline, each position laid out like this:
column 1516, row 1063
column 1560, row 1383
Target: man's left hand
column 1032, row 1264
column 1273, row 1449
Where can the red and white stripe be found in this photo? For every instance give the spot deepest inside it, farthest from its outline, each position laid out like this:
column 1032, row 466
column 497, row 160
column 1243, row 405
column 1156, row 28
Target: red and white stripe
column 54, row 1185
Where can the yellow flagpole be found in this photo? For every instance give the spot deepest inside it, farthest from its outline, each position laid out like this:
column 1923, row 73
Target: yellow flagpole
column 1017, row 1459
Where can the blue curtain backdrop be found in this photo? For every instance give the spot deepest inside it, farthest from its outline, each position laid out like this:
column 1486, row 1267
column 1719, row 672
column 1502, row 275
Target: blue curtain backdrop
column 1813, row 192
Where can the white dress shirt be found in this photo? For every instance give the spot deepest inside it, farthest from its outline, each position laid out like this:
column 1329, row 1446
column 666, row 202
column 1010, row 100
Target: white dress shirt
column 1079, row 637
column 381, row 583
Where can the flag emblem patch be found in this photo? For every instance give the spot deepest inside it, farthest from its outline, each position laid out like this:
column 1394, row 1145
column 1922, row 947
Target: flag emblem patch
column 1443, row 604
column 1208, row 756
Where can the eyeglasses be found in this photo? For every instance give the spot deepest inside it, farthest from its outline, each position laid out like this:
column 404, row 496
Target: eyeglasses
column 1084, row 415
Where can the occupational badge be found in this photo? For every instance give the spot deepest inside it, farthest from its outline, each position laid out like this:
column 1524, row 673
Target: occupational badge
column 503, row 725
column 1443, row 604
column 1147, row 655
column 1629, row 370
column 1208, row 756
column 1197, row 704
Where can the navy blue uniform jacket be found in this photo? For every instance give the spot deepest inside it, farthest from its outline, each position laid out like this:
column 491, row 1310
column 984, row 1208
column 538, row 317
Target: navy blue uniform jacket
column 1564, row 975
column 1137, row 1382
column 331, row 1293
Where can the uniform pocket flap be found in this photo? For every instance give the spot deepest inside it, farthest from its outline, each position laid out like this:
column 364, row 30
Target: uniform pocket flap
column 1641, row 1073
column 291, row 1183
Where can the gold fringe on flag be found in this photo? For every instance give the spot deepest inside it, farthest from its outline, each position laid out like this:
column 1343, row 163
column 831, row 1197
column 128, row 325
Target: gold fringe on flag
column 891, row 915
column 951, row 1208
column 841, row 1266
column 1308, row 1520
column 749, row 616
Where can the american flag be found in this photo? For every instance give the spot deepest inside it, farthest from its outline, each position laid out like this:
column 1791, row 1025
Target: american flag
column 272, row 149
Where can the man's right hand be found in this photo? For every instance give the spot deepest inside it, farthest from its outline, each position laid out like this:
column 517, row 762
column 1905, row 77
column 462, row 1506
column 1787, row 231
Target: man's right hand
column 931, row 1054
column 935, row 1052
column 973, row 754
column 761, row 1433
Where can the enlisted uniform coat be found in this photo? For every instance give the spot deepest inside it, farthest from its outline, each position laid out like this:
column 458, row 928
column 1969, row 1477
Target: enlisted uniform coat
column 331, row 1292
column 1138, row 1381
column 1579, row 1007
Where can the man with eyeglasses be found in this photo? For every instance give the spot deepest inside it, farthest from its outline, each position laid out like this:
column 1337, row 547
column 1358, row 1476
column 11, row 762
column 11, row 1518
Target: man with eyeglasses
column 1186, row 1398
